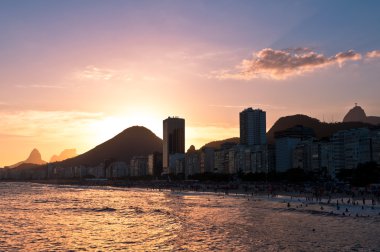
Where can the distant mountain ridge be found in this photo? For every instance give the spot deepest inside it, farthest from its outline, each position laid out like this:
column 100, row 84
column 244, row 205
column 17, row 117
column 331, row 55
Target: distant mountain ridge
column 321, row 129
column 34, row 158
column 65, row 154
column 217, row 144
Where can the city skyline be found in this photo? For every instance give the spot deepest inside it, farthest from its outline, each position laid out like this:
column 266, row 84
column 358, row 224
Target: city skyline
column 74, row 74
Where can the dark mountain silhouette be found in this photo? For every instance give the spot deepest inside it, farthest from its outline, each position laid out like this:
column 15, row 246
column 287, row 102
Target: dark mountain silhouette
column 131, row 142
column 65, row 154
column 321, row 129
column 218, row 144
column 375, row 120
column 34, row 158
column 357, row 114
column 23, row 166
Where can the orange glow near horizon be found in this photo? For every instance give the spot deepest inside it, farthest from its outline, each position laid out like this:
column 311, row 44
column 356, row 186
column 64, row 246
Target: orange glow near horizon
column 53, row 131
column 78, row 77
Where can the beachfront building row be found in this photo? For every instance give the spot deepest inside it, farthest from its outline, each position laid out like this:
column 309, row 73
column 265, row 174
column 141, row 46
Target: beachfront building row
column 139, row 166
column 234, row 159
column 295, row 147
column 346, row 149
column 286, row 142
column 250, row 156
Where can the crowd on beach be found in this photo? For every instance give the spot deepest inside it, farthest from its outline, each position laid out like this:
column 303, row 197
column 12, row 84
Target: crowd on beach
column 329, row 198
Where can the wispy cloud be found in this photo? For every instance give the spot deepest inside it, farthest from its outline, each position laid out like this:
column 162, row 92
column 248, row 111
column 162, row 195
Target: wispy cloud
column 373, row 54
column 95, row 73
column 208, row 54
column 48, row 124
column 47, row 130
column 281, row 64
column 101, row 74
column 254, row 105
column 4, row 105
column 42, row 86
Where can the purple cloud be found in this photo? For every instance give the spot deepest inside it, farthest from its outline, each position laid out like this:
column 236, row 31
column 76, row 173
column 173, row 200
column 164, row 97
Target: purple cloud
column 281, row 64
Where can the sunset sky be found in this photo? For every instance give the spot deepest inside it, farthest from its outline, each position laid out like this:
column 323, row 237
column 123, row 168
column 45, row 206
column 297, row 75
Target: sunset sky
column 75, row 73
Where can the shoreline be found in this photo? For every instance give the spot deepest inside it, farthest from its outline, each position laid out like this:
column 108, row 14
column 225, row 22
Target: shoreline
column 245, row 188
column 332, row 204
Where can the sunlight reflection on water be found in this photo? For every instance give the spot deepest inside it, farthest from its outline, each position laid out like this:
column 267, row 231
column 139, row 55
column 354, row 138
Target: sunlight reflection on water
column 36, row 217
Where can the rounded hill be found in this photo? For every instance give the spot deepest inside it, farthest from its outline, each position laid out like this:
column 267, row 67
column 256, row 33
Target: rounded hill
column 356, row 114
column 133, row 141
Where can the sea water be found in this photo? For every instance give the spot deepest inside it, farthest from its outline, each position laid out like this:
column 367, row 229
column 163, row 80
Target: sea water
column 37, row 217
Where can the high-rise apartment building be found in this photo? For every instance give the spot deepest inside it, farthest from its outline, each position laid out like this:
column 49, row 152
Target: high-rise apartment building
column 253, row 127
column 286, row 142
column 353, row 147
column 174, row 139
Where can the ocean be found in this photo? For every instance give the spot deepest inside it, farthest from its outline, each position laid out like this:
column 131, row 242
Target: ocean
column 40, row 217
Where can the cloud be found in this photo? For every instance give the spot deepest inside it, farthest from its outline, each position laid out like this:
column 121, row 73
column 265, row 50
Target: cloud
column 373, row 54
column 95, row 73
column 50, row 124
column 282, row 64
column 42, row 86
column 255, row 105
column 209, row 54
column 4, row 105
column 341, row 57
column 102, row 74
column 50, row 131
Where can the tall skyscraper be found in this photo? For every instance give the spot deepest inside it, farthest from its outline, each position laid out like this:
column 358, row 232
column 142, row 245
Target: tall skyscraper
column 253, row 127
column 174, row 139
